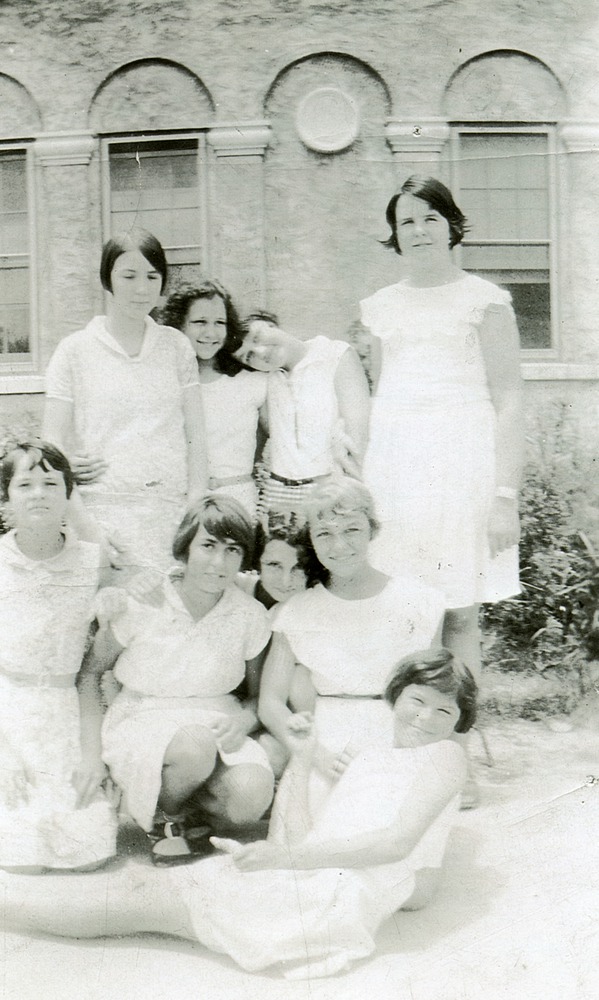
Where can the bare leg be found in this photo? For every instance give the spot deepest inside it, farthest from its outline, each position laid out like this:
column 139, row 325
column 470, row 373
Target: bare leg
column 461, row 634
column 127, row 901
column 189, row 760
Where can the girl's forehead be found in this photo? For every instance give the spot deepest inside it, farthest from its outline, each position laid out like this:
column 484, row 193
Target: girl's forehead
column 331, row 517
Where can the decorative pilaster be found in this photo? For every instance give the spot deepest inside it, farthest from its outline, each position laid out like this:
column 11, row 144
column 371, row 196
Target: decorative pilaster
column 238, row 249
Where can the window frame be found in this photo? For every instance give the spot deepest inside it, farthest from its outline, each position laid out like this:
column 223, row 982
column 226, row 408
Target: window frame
column 13, row 374
column 527, row 354
column 155, row 139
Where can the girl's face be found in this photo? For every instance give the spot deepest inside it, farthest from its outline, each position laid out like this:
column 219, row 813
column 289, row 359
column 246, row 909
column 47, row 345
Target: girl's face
column 212, row 565
column 136, row 285
column 265, row 348
column 37, row 497
column 423, row 715
column 206, row 327
column 341, row 542
column 280, row 572
column 422, row 233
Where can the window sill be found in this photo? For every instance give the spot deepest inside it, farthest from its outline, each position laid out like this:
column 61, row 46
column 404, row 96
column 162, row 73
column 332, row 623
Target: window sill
column 15, row 385
column 558, row 371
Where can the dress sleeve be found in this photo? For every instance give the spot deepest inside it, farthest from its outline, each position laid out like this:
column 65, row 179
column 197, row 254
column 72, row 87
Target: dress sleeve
column 379, row 312
column 59, row 374
column 187, row 366
column 126, row 625
column 257, row 630
column 484, row 295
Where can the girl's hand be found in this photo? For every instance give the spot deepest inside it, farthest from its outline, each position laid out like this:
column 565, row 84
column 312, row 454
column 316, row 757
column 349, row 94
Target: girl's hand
column 504, row 525
column 87, row 468
column 332, row 765
column 261, row 855
column 146, row 587
column 110, row 603
column 15, row 780
column 231, row 731
column 301, row 735
column 88, row 779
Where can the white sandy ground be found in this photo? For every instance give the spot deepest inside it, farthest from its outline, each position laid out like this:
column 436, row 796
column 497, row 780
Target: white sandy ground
column 517, row 917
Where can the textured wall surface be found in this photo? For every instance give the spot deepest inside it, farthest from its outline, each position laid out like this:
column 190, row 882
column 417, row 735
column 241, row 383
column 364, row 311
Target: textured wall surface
column 291, row 226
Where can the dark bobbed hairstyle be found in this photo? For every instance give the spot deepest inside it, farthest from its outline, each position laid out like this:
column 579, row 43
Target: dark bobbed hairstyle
column 438, row 197
column 134, row 239
column 439, row 669
column 294, row 534
column 222, row 517
column 36, row 453
column 176, row 310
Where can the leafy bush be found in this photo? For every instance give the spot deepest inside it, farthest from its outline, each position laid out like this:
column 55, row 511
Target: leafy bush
column 550, row 625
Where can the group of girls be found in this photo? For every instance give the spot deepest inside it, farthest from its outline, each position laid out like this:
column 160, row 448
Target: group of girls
column 319, row 646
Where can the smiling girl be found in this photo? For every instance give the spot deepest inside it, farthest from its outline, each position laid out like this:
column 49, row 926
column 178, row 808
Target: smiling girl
column 123, row 400
column 176, row 728
column 233, row 398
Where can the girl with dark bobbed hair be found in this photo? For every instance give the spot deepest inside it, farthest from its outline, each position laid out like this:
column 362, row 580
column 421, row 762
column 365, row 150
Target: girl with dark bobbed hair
column 123, row 401
column 446, row 446
column 233, row 397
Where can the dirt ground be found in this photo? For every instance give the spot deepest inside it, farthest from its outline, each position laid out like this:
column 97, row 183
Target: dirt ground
column 517, row 917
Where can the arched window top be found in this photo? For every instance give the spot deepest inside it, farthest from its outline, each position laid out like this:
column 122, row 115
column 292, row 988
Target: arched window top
column 20, row 114
column 504, row 85
column 150, row 94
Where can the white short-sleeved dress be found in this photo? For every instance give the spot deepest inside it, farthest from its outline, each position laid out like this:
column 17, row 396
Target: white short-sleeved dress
column 129, row 411
column 176, row 672
column 315, row 923
column 45, row 611
column 350, row 648
column 430, row 463
column 231, row 410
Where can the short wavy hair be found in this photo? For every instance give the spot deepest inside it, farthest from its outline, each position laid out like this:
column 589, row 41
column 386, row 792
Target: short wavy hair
column 176, row 310
column 37, row 452
column 438, row 197
column 442, row 670
column 341, row 495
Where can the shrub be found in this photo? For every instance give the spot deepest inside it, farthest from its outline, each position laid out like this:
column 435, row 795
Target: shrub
column 549, row 626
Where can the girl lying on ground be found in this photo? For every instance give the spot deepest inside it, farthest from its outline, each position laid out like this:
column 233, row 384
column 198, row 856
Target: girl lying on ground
column 307, row 899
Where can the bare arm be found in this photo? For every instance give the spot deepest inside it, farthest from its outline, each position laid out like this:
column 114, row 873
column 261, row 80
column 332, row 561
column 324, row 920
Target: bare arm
column 498, row 337
column 195, row 432
column 102, row 656
column 57, row 428
column 434, row 788
column 376, row 361
column 275, row 689
column 353, row 398
column 232, row 730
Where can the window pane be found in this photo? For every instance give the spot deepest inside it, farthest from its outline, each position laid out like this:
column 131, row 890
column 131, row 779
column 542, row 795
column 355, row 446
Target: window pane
column 156, row 186
column 14, row 235
column 14, row 311
column 532, row 308
column 14, row 256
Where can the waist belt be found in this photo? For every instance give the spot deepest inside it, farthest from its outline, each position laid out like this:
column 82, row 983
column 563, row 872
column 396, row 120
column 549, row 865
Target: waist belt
column 296, row 482
column 40, row 680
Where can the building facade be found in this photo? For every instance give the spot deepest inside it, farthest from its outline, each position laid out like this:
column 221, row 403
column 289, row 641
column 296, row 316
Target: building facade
column 261, row 142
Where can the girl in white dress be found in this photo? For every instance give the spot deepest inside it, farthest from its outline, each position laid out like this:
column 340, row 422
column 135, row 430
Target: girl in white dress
column 177, row 729
column 310, row 899
column 123, row 400
column 342, row 637
column 234, row 398
column 53, row 811
column 446, row 432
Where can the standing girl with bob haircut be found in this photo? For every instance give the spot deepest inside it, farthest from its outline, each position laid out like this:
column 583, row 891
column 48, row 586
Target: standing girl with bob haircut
column 310, row 899
column 123, row 400
column 446, row 442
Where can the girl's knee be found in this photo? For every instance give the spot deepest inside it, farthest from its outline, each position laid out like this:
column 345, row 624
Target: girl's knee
column 194, row 746
column 244, row 793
